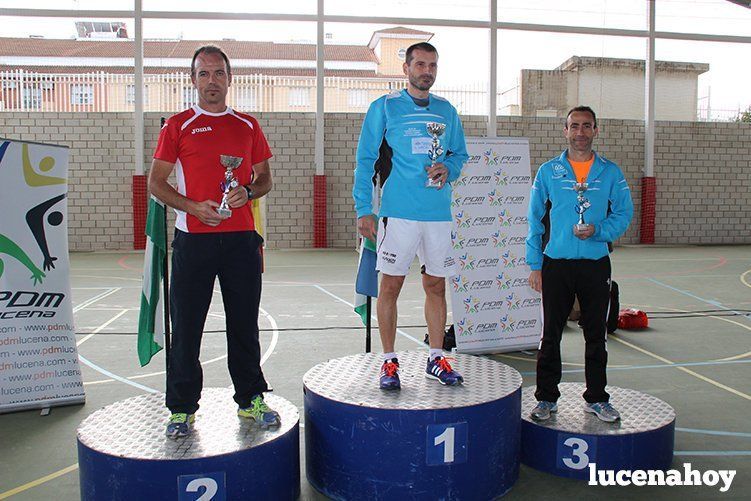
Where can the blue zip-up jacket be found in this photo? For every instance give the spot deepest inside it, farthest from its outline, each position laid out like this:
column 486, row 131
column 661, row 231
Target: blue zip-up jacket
column 611, row 210
column 394, row 143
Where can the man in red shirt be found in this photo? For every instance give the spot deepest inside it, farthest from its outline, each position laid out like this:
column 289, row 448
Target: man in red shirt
column 208, row 245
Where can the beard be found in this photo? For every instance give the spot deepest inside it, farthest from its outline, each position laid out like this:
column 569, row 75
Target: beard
column 584, row 145
column 422, row 83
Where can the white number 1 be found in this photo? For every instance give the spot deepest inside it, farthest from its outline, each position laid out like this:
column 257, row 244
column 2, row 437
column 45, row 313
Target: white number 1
column 446, row 438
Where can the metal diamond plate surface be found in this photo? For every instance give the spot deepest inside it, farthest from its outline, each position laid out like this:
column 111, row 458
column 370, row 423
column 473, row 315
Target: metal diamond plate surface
column 354, row 380
column 134, row 428
column 639, row 412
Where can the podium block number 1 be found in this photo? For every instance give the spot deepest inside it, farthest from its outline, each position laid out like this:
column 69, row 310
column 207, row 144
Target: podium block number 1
column 446, row 444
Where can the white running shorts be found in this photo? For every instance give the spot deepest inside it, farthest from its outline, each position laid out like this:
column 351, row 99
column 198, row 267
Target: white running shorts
column 400, row 239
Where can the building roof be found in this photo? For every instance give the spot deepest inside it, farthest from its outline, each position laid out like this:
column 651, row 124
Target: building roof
column 578, row 62
column 404, row 31
column 97, row 48
column 398, row 32
column 128, row 70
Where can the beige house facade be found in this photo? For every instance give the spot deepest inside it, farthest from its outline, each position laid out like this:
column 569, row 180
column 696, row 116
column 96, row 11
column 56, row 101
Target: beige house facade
column 95, row 74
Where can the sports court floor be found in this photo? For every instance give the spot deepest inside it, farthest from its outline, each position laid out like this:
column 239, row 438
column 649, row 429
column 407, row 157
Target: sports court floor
column 699, row 364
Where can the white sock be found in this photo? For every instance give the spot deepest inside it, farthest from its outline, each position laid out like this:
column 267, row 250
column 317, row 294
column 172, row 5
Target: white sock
column 435, row 352
column 388, row 356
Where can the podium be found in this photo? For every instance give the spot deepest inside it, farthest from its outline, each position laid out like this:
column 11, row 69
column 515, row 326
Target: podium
column 425, row 441
column 571, row 440
column 123, row 452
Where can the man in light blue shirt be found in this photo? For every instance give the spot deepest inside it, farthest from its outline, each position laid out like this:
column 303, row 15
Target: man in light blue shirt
column 575, row 261
column 414, row 217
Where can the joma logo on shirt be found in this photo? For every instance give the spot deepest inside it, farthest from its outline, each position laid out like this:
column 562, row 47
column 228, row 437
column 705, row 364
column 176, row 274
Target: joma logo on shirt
column 200, row 129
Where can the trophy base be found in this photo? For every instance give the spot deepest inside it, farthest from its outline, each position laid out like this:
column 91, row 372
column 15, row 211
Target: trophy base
column 580, row 227
column 224, row 212
column 433, row 184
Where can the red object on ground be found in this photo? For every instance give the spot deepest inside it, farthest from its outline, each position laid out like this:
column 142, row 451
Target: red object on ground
column 648, row 203
column 319, row 211
column 632, row 319
column 139, row 211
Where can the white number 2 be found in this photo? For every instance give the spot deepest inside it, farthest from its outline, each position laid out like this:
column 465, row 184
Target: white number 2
column 210, row 485
column 447, row 439
column 578, row 449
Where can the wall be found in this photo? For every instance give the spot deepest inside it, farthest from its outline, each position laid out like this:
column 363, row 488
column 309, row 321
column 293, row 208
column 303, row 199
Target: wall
column 100, row 171
column 702, row 169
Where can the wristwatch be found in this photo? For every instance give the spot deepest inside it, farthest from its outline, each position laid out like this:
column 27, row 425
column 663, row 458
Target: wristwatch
column 249, row 192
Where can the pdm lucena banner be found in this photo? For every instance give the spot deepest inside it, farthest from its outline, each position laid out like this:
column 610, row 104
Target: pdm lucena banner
column 494, row 309
column 38, row 356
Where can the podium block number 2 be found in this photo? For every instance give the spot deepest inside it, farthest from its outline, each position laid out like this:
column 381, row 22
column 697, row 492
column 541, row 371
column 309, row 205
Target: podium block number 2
column 446, row 444
column 201, row 487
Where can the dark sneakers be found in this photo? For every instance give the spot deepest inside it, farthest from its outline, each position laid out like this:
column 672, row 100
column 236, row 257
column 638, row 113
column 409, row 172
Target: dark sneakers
column 389, row 378
column 180, row 425
column 440, row 370
column 543, row 410
column 261, row 413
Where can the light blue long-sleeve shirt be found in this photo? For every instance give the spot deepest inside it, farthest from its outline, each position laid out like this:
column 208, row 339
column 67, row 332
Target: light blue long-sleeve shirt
column 610, row 212
column 395, row 142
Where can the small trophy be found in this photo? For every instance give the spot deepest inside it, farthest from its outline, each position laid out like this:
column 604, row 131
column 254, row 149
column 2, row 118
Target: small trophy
column 582, row 204
column 230, row 182
column 435, row 130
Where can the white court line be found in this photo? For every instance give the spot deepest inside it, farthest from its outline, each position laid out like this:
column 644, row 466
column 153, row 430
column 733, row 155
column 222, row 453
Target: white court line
column 274, row 335
column 114, row 376
column 372, row 316
column 93, row 365
column 96, row 298
column 283, row 283
column 151, row 374
column 99, row 329
column 266, row 354
column 100, row 287
column 110, row 277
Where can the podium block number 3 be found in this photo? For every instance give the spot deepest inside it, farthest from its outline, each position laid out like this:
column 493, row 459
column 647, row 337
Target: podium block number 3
column 446, row 444
column 575, row 453
column 202, row 487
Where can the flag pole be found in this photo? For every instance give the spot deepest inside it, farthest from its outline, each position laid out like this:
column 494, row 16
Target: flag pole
column 165, row 288
column 368, row 306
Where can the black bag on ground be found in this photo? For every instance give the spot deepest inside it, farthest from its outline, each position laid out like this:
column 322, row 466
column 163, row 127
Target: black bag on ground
column 449, row 338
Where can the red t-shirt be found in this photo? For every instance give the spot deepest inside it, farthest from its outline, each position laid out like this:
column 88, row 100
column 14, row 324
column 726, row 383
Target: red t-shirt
column 193, row 140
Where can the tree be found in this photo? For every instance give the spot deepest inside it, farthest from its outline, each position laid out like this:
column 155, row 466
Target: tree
column 744, row 116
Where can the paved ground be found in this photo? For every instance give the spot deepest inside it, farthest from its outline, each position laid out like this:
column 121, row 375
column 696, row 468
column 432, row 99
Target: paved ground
column 699, row 365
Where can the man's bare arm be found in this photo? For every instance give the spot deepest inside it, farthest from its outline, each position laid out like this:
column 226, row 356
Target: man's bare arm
column 262, row 181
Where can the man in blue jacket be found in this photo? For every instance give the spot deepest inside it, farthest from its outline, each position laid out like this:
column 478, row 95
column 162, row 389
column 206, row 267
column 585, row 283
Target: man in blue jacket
column 575, row 261
column 413, row 218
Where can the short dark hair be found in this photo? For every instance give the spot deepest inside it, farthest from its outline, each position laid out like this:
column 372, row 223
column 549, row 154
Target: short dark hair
column 585, row 109
column 209, row 49
column 419, row 46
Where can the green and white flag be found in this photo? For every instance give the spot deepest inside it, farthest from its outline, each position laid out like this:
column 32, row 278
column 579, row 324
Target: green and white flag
column 151, row 317
column 366, row 283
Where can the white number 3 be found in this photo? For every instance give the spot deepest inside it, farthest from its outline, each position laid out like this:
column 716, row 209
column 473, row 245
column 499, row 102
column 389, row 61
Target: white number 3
column 579, row 448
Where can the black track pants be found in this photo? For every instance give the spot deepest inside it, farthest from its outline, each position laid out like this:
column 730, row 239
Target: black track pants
column 562, row 280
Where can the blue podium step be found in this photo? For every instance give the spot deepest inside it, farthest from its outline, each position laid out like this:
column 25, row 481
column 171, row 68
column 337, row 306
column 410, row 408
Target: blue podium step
column 425, row 441
column 572, row 440
column 124, row 454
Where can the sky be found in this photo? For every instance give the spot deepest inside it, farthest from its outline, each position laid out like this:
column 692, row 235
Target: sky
column 464, row 51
